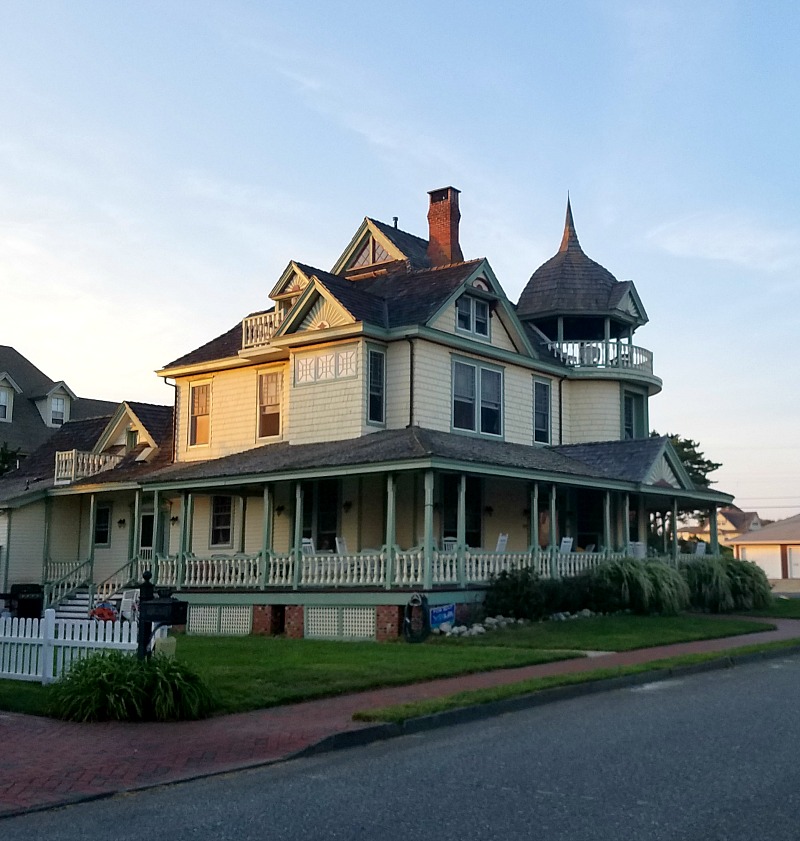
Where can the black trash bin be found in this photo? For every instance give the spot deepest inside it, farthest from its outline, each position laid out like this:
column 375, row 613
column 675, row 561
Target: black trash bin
column 27, row 600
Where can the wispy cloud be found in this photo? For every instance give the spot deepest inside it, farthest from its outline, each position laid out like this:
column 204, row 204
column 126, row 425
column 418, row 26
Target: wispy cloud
column 729, row 238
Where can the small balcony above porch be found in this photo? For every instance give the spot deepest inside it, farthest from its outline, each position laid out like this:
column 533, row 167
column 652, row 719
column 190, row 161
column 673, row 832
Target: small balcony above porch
column 258, row 329
column 72, row 465
column 611, row 354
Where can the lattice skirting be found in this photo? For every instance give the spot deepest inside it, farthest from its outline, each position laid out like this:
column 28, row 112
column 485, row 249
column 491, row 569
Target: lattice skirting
column 220, row 620
column 340, row 623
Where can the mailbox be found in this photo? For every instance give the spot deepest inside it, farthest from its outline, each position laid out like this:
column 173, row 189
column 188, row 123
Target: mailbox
column 163, row 611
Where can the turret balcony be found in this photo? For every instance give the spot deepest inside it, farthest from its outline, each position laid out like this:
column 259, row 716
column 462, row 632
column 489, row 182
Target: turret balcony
column 72, row 465
column 602, row 354
column 258, row 329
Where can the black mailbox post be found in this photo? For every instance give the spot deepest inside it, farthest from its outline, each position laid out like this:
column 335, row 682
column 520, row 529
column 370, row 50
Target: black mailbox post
column 156, row 611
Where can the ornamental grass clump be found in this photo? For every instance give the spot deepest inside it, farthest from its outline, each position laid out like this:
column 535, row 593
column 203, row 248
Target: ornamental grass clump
column 112, row 686
column 709, row 585
column 670, row 592
column 629, row 580
column 749, row 585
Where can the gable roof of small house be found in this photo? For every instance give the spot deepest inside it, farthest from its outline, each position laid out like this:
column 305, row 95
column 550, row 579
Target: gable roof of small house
column 782, row 531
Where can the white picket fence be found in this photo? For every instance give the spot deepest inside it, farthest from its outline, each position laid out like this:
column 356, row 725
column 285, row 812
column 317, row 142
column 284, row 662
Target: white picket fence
column 44, row 649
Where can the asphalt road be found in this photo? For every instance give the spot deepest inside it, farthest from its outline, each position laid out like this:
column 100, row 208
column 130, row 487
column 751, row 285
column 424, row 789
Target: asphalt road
column 713, row 756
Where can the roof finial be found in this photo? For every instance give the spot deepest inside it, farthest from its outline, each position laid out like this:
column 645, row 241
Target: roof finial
column 570, row 238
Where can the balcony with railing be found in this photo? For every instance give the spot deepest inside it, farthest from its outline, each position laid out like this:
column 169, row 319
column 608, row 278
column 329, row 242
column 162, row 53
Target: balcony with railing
column 258, row 329
column 72, row 465
column 604, row 355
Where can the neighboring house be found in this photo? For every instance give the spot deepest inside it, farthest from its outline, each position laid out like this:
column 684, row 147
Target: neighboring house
column 33, row 407
column 393, row 425
column 774, row 547
column 731, row 522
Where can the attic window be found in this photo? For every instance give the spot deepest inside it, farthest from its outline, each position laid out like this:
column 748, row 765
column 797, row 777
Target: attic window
column 58, row 408
column 131, row 439
column 372, row 252
column 472, row 316
column 5, row 404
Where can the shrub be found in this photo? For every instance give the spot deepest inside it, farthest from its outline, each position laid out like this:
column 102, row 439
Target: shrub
column 627, row 584
column 112, row 686
column 749, row 586
column 670, row 592
column 709, row 585
column 518, row 593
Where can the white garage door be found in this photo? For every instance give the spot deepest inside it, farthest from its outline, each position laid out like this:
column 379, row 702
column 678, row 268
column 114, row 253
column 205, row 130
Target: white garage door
column 767, row 557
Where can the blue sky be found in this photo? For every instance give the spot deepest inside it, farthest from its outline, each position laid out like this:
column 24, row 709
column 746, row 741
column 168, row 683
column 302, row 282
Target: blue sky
column 160, row 164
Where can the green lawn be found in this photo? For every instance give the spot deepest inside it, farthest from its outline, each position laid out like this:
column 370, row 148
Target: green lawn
column 612, row 633
column 781, row 608
column 248, row 673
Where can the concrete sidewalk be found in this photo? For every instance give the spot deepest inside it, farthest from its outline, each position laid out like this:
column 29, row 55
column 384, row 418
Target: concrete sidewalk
column 47, row 763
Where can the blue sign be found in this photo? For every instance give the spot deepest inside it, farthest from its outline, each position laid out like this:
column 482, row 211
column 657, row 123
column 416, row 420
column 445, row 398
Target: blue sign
column 443, row 613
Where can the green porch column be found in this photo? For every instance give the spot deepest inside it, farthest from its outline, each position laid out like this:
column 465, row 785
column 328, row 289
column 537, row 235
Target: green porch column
column 607, row 338
column 626, row 525
column 297, row 549
column 553, row 536
column 48, row 511
column 712, row 522
column 187, row 514
column 560, row 329
column 266, row 536
column 675, row 529
column 607, row 522
column 92, row 522
column 242, row 521
column 157, row 525
column 428, row 522
column 136, row 526
column 7, row 558
column 391, row 528
column 461, row 529
column 535, row 518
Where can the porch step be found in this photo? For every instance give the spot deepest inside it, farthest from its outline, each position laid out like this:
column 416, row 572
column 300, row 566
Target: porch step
column 78, row 605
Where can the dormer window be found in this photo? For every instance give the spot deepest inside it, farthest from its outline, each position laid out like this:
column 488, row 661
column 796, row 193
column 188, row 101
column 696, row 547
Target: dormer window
column 372, row 252
column 58, row 411
column 472, row 316
column 6, row 398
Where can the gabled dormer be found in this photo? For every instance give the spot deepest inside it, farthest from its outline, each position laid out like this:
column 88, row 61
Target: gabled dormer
column 8, row 389
column 55, row 404
column 378, row 249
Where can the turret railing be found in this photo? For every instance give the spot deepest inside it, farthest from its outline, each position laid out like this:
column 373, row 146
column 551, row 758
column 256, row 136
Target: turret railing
column 602, row 354
column 259, row 329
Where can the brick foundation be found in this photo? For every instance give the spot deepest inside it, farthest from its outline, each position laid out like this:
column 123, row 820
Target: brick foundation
column 388, row 622
column 268, row 619
column 293, row 627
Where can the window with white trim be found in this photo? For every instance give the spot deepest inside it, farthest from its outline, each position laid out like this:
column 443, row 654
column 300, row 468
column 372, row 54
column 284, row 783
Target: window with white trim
column 376, row 399
column 221, row 521
column 199, row 414
column 541, row 411
column 270, row 385
column 5, row 403
column 477, row 398
column 472, row 316
column 58, row 411
column 634, row 424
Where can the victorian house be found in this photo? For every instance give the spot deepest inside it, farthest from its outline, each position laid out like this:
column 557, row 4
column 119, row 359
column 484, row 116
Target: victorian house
column 393, row 425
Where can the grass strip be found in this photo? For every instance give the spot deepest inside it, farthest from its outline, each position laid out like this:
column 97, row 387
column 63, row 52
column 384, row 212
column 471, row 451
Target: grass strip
column 399, row 713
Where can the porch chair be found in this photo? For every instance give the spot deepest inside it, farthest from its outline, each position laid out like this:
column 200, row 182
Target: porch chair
column 589, row 547
column 700, row 548
column 502, row 542
column 129, row 604
column 307, row 546
column 449, row 544
column 566, row 546
column 341, row 546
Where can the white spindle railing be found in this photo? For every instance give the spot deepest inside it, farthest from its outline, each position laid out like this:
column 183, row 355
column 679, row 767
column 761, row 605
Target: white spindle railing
column 601, row 354
column 259, row 329
column 481, row 565
column 232, row 572
column 72, row 465
column 281, row 571
column 334, row 570
column 409, row 567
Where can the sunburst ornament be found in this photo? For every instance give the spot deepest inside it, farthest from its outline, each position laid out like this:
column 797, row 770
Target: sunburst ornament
column 322, row 315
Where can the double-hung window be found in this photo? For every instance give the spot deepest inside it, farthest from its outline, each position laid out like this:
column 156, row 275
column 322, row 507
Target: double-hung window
column 269, row 404
column 376, row 400
column 634, row 423
column 58, row 410
column 102, row 525
column 472, row 316
column 5, row 404
column 199, row 414
column 541, row 411
column 477, row 398
column 221, row 521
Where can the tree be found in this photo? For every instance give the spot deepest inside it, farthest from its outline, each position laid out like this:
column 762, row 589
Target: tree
column 8, row 458
column 694, row 461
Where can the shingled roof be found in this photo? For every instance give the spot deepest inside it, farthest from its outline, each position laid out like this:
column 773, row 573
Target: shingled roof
column 222, row 347
column 413, row 247
column 630, row 460
column 570, row 283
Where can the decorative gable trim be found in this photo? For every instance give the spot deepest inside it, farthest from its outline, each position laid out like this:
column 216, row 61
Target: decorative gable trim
column 367, row 234
column 317, row 309
column 291, row 283
column 123, row 419
column 6, row 378
column 631, row 305
column 661, row 473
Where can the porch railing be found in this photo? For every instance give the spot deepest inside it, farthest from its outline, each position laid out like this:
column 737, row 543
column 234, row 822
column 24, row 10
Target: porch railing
column 602, row 354
column 77, row 576
column 72, row 465
column 259, row 329
column 379, row 568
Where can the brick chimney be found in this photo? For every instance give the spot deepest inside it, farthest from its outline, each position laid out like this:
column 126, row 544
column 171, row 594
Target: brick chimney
column 443, row 219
